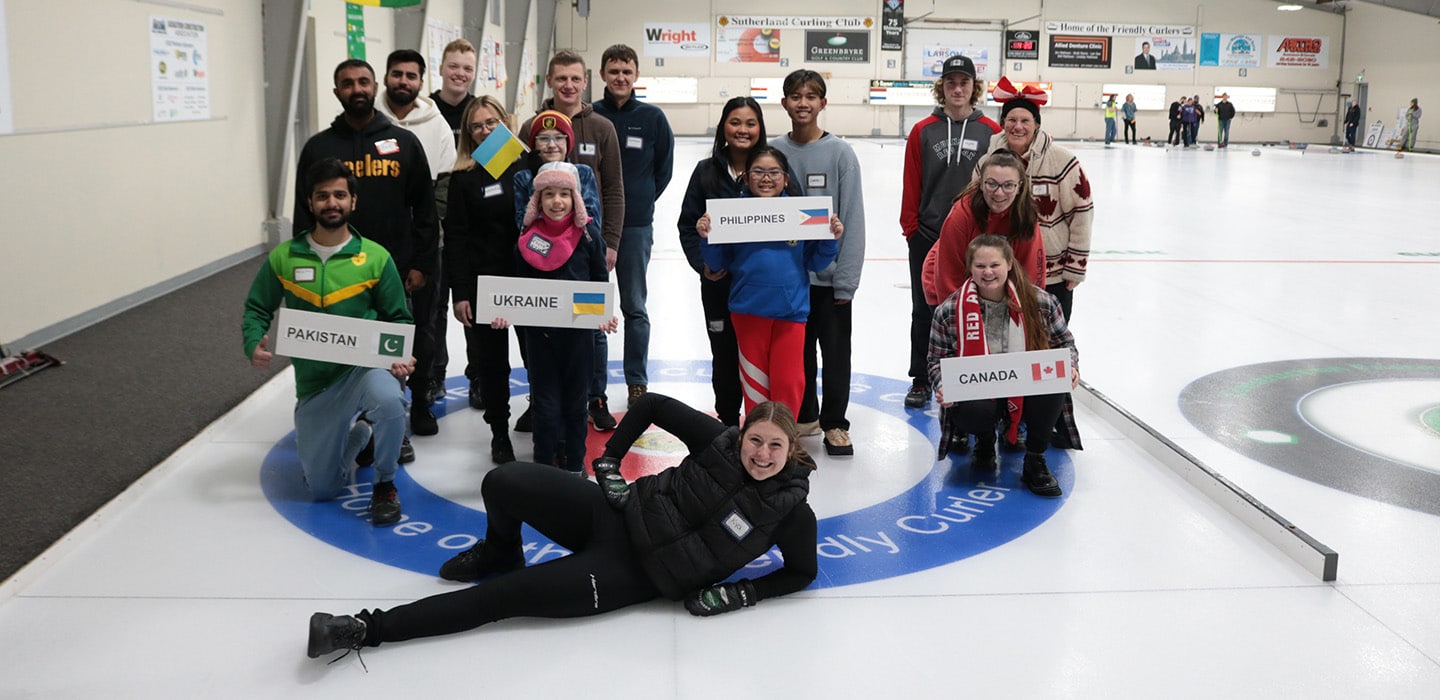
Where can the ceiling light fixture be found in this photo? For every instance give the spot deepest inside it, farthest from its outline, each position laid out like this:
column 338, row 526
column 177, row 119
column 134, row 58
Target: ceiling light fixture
column 1290, row 8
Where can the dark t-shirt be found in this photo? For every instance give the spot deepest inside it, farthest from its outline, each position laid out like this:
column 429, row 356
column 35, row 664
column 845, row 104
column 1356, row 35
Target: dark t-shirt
column 452, row 115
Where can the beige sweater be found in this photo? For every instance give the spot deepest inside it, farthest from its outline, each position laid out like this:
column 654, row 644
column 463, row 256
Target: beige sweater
column 1062, row 196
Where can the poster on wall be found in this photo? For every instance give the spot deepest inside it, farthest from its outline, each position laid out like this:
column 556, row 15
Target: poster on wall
column 933, row 57
column 438, row 35
column 354, row 31
column 179, row 74
column 1165, row 53
column 1230, row 50
column 837, row 47
column 1079, row 51
column 892, row 25
column 7, row 119
column 676, row 39
column 747, row 45
column 1298, row 51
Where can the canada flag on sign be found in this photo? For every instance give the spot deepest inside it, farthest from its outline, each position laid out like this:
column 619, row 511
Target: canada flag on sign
column 1047, row 371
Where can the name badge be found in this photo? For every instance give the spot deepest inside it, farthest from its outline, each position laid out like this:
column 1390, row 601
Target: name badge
column 304, row 274
column 587, row 149
column 387, row 147
column 494, row 190
column 1041, row 190
column 969, row 145
column 737, row 525
column 634, row 142
column 815, row 180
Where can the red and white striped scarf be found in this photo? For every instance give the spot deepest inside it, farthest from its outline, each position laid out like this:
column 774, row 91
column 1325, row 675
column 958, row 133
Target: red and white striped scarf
column 971, row 326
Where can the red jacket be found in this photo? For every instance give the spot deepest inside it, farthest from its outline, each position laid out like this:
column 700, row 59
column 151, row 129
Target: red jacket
column 945, row 269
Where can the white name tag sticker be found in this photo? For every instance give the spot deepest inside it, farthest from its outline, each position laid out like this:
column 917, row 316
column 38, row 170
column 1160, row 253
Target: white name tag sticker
column 815, row 180
column 587, row 149
column 634, row 142
column 1006, row 374
column 387, row 147
column 737, row 525
column 304, row 274
column 969, row 145
column 750, row 219
column 1040, row 190
column 341, row 339
column 494, row 190
column 543, row 303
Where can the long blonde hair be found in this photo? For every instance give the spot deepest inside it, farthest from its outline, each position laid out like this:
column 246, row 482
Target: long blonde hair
column 463, row 159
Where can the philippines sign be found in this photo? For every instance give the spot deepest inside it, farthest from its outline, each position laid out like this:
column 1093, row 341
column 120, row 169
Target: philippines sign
column 749, row 219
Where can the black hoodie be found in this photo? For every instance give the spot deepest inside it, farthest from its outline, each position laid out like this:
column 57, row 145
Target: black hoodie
column 395, row 200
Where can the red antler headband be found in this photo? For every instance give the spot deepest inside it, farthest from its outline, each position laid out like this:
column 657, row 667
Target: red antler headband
column 1005, row 91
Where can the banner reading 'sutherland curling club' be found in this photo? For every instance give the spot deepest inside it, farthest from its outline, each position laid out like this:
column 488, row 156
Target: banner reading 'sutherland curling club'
column 342, row 339
column 543, row 303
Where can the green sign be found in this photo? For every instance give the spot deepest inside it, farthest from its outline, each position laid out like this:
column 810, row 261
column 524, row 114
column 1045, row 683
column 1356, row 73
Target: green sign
column 354, row 31
column 391, row 345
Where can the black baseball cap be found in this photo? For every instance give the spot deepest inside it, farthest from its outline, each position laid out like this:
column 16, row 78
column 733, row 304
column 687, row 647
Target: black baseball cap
column 958, row 64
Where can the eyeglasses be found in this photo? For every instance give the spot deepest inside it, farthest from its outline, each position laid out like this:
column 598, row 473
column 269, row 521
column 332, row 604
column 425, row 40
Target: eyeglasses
column 1006, row 187
column 764, row 174
column 550, row 140
column 487, row 125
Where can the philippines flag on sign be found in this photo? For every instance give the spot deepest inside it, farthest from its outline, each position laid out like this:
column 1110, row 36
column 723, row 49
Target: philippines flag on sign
column 1042, row 372
column 814, row 217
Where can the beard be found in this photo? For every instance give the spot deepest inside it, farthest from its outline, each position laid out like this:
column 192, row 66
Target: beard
column 400, row 96
column 359, row 106
column 333, row 218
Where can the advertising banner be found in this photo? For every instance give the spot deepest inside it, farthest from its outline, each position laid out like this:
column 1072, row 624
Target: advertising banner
column 677, row 39
column 1230, row 50
column 1165, row 53
column 1287, row 51
column 179, row 69
column 837, row 47
column 1022, row 45
column 892, row 25
column 1079, row 51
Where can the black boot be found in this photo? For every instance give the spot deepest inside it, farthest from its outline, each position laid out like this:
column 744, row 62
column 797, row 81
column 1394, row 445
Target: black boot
column 1037, row 476
column 501, row 449
column 329, row 633
column 477, row 562
column 982, row 459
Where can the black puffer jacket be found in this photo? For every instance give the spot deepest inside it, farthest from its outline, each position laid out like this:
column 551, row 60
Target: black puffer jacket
column 697, row 523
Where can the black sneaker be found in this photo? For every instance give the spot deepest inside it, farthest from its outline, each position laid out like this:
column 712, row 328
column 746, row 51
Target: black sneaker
column 329, row 633
column 436, row 391
column 384, row 504
column 983, row 458
column 501, row 450
column 475, row 563
column 918, row 396
column 407, row 452
column 1037, row 477
column 600, row 415
column 476, row 402
column 422, row 421
column 523, row 423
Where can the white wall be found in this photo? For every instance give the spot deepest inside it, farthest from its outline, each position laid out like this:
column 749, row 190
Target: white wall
column 95, row 211
column 1400, row 54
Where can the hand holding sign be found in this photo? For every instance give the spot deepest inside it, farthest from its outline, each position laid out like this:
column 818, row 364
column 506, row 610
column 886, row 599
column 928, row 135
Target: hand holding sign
column 260, row 358
column 836, row 228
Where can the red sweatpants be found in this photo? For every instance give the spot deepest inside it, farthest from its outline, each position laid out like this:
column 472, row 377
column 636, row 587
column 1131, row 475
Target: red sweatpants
column 772, row 360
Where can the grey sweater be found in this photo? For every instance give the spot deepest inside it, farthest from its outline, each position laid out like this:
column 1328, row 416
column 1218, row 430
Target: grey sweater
column 829, row 167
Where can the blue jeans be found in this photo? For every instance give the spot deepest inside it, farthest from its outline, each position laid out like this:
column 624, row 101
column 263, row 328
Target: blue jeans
column 1224, row 135
column 327, row 437
column 1110, row 130
column 631, row 264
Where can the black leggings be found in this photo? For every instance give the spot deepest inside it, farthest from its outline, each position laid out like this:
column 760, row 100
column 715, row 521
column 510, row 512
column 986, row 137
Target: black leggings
column 980, row 417
column 601, row 575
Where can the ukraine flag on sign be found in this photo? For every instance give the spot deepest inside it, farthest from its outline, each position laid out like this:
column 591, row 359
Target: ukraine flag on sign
column 588, row 303
column 498, row 151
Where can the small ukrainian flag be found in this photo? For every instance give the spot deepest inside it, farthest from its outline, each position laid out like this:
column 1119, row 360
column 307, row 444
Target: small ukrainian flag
column 588, row 303
column 498, row 151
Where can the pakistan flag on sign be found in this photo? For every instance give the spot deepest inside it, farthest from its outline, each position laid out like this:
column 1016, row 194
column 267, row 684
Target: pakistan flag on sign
column 391, row 345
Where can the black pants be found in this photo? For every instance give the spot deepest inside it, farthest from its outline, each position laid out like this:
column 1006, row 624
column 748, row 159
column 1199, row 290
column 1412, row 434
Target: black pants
column 980, row 418
column 560, row 365
column 424, row 306
column 487, row 354
column 827, row 329
column 1175, row 129
column 1130, row 136
column 920, row 312
column 601, row 575
column 724, row 349
column 1064, row 295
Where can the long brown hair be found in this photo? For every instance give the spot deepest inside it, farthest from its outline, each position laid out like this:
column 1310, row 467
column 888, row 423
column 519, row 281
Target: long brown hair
column 1037, row 333
column 780, row 416
column 1023, row 215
